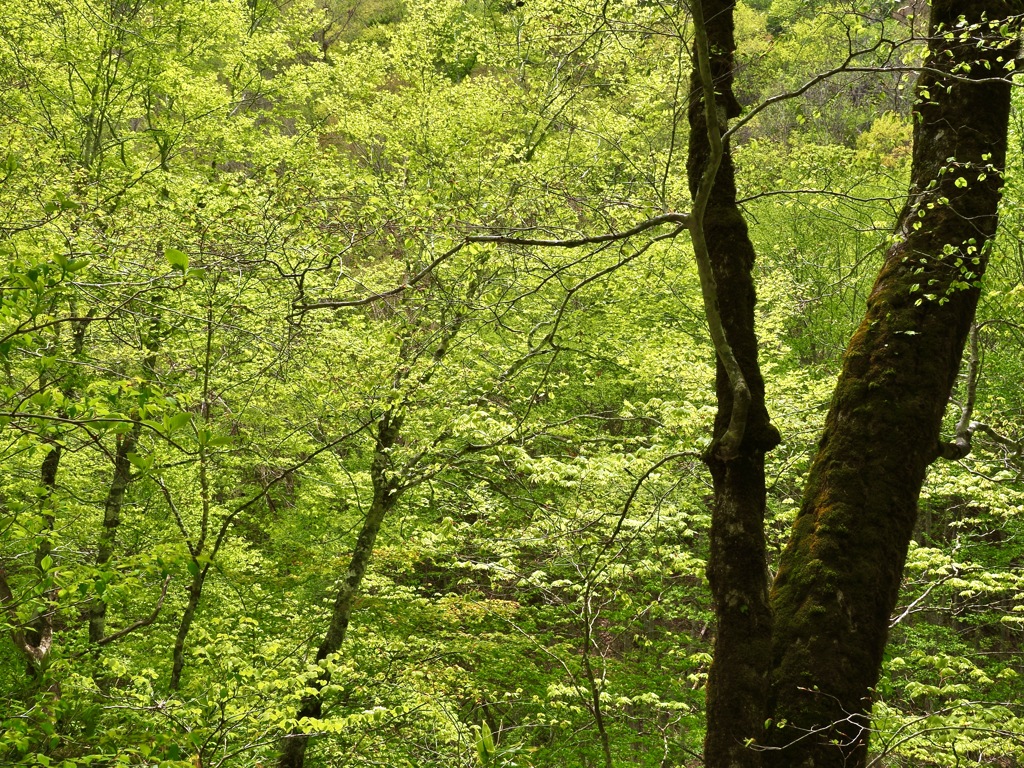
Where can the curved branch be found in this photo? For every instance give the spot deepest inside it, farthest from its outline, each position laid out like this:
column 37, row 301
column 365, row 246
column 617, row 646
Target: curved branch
column 670, row 217
column 728, row 446
column 654, row 221
column 962, row 442
column 423, row 273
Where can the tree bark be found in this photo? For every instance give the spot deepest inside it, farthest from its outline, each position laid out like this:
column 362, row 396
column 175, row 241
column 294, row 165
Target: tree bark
column 386, row 490
column 38, row 634
column 195, row 595
column 197, row 567
column 35, row 639
column 839, row 575
column 111, row 521
column 738, row 681
column 120, row 481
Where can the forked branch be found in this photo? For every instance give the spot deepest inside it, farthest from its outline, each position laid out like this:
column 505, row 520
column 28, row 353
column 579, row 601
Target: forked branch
column 962, row 443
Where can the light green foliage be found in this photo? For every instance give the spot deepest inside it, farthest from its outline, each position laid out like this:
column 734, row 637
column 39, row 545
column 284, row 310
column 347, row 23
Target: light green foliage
column 822, row 216
column 217, row 222
column 807, row 39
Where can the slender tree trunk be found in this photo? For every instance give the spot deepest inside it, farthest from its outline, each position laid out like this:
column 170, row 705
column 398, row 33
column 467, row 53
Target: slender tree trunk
column 592, row 681
column 111, row 521
column 385, row 495
column 738, row 680
column 197, row 568
column 195, row 594
column 48, row 480
column 839, row 575
column 36, row 641
column 119, row 483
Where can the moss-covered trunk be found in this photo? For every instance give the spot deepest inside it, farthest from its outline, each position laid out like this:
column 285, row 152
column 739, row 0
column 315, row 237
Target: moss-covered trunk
column 839, row 575
column 738, row 681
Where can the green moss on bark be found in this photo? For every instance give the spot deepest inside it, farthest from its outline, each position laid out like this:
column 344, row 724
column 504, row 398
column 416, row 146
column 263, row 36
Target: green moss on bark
column 839, row 576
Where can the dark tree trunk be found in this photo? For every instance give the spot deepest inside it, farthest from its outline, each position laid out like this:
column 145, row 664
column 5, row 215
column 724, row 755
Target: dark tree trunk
column 840, row 573
column 385, row 495
column 195, row 594
column 738, row 681
column 120, row 481
column 34, row 638
column 111, row 522
column 39, row 630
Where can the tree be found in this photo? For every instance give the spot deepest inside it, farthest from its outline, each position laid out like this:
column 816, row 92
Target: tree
column 507, row 386
column 420, row 340
column 737, row 563
column 839, row 576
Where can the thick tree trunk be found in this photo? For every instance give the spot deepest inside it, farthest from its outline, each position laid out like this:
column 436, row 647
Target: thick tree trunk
column 840, row 573
column 385, row 495
column 738, row 681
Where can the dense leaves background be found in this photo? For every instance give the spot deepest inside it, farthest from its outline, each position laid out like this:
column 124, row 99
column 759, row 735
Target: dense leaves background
column 218, row 222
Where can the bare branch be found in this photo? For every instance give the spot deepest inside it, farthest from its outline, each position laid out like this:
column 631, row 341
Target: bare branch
column 912, row 608
column 961, row 445
column 655, row 221
column 671, row 217
column 425, row 272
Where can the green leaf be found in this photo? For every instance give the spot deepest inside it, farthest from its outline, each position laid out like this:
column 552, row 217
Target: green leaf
column 177, row 259
column 66, row 203
column 177, row 421
column 142, row 462
column 485, row 744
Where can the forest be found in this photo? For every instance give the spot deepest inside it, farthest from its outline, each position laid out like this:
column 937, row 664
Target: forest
column 538, row 383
